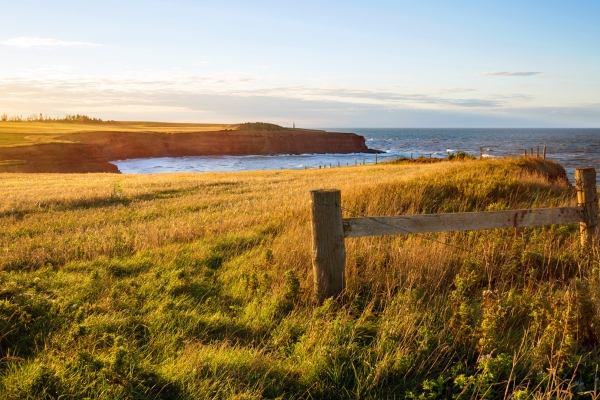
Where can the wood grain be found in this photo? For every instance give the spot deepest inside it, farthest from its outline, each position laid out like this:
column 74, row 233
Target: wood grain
column 587, row 198
column 328, row 250
column 404, row 224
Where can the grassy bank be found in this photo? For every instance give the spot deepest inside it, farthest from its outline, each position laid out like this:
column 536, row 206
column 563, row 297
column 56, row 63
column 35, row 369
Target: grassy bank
column 200, row 286
column 31, row 133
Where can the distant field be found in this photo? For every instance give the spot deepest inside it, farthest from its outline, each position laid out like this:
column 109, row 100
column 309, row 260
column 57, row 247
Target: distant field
column 194, row 286
column 28, row 133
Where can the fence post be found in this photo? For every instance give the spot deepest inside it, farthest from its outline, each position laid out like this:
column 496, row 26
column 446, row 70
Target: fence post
column 585, row 181
column 544, row 154
column 328, row 247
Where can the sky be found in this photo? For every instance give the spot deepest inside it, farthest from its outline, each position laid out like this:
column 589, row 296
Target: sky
column 313, row 63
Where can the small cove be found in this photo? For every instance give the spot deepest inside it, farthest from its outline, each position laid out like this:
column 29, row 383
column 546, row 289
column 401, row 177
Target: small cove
column 573, row 148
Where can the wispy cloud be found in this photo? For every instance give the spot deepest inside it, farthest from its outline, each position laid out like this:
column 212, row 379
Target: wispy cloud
column 132, row 108
column 159, row 89
column 505, row 73
column 43, row 42
column 224, row 99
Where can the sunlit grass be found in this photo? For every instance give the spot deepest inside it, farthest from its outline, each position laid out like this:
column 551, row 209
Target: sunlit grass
column 200, row 286
column 28, row 133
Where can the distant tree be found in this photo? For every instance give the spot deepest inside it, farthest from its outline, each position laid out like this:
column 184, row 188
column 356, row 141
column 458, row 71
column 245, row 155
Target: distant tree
column 41, row 118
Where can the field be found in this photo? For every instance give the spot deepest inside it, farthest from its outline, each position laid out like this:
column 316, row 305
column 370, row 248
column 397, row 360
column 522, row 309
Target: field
column 200, row 286
column 28, row 133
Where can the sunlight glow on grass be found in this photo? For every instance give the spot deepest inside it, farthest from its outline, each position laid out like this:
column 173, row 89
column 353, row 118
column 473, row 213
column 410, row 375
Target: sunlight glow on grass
column 28, row 133
column 200, row 286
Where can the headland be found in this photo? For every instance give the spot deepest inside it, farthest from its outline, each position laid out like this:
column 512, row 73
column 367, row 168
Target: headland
column 89, row 147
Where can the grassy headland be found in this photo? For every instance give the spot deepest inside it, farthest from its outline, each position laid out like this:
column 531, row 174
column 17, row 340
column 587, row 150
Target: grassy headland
column 72, row 146
column 27, row 133
column 200, row 286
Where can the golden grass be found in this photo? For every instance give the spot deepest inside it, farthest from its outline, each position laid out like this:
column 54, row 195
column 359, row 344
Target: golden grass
column 158, row 209
column 200, row 286
column 29, row 133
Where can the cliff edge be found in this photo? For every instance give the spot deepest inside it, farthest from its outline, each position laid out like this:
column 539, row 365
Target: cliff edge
column 92, row 151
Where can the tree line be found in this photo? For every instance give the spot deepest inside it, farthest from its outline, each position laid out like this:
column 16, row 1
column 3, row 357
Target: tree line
column 41, row 118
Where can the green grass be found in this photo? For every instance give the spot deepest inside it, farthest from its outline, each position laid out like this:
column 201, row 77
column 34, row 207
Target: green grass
column 200, row 286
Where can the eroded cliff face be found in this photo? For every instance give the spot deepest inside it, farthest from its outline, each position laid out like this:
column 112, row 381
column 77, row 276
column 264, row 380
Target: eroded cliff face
column 56, row 157
column 96, row 149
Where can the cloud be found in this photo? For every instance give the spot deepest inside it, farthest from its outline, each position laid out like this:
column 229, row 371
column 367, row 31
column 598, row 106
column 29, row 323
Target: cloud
column 456, row 90
column 43, row 42
column 377, row 97
column 197, row 98
column 126, row 108
column 184, row 90
column 504, row 73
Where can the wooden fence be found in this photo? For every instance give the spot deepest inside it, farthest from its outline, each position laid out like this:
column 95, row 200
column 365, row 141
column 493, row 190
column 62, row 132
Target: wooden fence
column 329, row 229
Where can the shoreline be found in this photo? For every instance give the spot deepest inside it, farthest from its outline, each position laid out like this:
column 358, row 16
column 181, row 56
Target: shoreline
column 228, row 163
column 94, row 151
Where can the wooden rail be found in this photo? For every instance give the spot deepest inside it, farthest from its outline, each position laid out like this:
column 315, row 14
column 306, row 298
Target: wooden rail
column 375, row 226
column 329, row 229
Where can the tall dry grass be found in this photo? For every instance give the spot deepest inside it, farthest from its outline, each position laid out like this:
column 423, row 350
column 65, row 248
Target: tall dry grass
column 200, row 286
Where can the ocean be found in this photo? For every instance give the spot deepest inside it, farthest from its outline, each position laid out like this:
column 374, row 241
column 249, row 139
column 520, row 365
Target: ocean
column 573, row 148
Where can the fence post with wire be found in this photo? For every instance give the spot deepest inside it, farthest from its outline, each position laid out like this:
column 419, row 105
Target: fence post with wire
column 329, row 228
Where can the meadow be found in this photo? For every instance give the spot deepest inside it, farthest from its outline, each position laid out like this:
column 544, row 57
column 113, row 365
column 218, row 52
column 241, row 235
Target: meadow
column 200, row 286
column 26, row 133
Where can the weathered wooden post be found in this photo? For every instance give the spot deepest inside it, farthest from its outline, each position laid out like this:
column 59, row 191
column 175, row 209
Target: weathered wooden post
column 375, row 158
column 328, row 247
column 544, row 154
column 537, row 152
column 585, row 182
column 524, row 153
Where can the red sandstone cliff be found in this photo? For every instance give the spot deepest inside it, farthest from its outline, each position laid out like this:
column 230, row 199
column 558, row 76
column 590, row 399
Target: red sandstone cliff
column 96, row 149
column 56, row 157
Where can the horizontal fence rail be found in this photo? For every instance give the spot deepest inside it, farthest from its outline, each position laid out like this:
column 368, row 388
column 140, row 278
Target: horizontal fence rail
column 329, row 229
column 375, row 226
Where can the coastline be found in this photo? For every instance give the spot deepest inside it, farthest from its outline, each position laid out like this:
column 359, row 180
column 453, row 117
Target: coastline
column 93, row 151
column 226, row 163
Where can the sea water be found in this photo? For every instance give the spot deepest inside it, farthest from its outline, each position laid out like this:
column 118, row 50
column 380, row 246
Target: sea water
column 573, row 148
